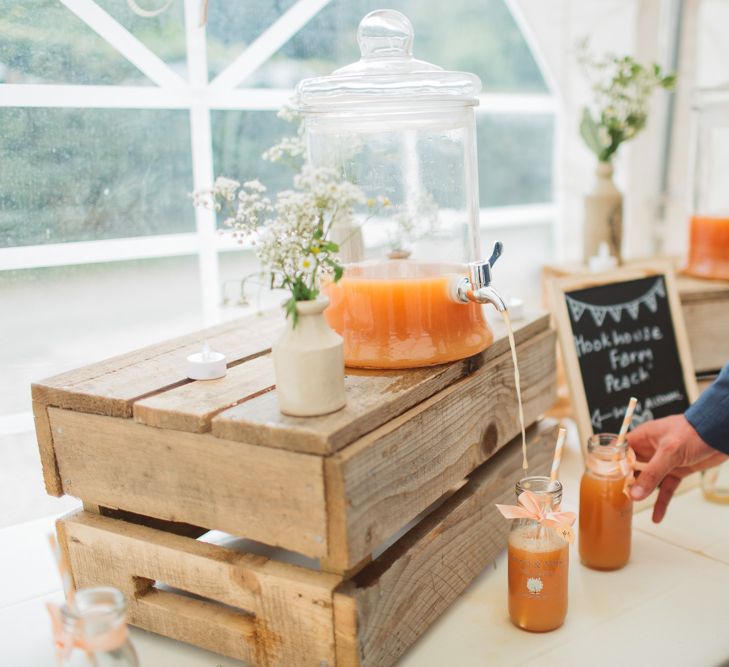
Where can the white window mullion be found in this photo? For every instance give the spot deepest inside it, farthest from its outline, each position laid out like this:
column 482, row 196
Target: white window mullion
column 202, row 161
column 125, row 43
column 270, row 41
column 94, row 252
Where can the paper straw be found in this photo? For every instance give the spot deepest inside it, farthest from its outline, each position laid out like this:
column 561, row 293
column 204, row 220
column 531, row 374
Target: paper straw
column 63, row 569
column 626, row 420
column 558, row 453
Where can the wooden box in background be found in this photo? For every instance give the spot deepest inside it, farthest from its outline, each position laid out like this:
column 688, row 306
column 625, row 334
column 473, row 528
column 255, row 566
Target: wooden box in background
column 339, row 538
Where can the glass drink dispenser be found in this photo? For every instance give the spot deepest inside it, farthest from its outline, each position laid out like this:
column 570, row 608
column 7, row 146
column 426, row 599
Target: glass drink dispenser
column 403, row 130
column 709, row 236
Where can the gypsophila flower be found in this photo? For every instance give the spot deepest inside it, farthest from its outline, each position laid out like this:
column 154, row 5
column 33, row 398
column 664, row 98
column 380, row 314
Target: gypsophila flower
column 254, row 186
column 291, row 236
column 225, row 188
column 414, row 221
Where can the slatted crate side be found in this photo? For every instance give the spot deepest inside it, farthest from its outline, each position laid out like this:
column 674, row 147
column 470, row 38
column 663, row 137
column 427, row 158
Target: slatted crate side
column 373, row 398
column 271, row 613
column 383, row 610
column 252, row 608
column 111, row 387
column 707, row 324
column 271, row 495
column 280, row 497
column 379, row 483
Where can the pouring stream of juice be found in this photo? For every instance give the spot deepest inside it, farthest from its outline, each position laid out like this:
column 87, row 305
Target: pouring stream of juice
column 517, row 382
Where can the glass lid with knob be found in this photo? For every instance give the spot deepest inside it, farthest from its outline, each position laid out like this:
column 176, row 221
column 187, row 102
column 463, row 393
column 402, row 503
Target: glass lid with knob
column 403, row 130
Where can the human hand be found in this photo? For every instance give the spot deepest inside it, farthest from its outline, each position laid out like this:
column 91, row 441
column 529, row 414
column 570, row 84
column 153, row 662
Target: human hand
column 673, row 449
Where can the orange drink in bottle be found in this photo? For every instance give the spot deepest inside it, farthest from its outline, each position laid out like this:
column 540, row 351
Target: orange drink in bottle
column 606, row 510
column 538, row 563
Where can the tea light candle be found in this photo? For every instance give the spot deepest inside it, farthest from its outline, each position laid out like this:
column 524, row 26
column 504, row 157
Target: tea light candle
column 206, row 365
column 603, row 261
column 516, row 308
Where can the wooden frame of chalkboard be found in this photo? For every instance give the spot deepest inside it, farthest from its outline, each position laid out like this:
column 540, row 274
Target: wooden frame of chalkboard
column 612, row 348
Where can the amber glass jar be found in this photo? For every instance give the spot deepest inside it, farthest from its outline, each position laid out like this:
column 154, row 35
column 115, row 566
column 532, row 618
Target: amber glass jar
column 606, row 510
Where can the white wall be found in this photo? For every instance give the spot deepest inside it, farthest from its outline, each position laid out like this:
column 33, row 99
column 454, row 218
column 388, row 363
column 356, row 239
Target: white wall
column 644, row 29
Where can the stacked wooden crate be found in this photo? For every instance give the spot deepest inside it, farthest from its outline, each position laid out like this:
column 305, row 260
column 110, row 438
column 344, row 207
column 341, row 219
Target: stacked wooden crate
column 705, row 305
column 360, row 527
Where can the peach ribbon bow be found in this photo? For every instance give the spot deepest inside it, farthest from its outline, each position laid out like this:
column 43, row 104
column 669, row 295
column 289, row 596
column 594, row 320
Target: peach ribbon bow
column 529, row 507
column 627, row 466
column 66, row 641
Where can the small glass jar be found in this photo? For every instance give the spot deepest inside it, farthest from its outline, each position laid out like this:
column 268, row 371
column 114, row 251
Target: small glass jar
column 606, row 511
column 96, row 625
column 715, row 484
column 538, row 564
column 708, row 253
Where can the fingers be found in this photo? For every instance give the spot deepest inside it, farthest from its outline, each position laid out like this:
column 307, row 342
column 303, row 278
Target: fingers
column 663, row 461
column 643, row 440
column 667, row 489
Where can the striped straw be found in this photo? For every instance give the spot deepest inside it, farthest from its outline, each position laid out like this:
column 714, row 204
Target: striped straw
column 63, row 568
column 626, row 420
column 558, row 453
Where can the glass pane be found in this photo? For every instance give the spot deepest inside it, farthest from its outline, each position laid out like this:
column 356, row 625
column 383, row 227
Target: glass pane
column 515, row 159
column 527, row 248
column 43, row 42
column 163, row 34
column 477, row 36
column 243, row 289
column 84, row 174
column 76, row 315
column 239, row 140
column 72, row 316
column 232, row 26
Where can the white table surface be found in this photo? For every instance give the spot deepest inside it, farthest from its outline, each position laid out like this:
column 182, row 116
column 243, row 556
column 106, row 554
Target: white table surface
column 669, row 606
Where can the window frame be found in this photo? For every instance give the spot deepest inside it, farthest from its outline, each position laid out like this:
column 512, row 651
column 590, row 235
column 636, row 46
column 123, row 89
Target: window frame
column 199, row 96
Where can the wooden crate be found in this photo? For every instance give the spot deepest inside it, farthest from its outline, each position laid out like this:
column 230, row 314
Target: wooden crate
column 133, row 434
column 249, row 606
column 705, row 305
column 385, row 508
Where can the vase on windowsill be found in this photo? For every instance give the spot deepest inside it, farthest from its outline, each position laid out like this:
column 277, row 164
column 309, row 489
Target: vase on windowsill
column 603, row 214
column 308, row 360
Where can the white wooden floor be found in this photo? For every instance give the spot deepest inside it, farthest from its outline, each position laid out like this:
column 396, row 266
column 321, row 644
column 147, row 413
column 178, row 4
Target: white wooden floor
column 668, row 607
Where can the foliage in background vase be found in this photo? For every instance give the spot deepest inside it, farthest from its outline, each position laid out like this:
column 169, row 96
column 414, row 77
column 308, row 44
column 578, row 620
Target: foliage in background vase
column 413, row 223
column 621, row 91
column 292, row 240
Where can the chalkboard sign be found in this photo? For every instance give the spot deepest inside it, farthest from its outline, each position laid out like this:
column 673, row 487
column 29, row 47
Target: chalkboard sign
column 623, row 335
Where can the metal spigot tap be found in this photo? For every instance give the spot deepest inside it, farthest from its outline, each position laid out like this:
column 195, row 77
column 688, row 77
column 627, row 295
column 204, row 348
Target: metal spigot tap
column 477, row 287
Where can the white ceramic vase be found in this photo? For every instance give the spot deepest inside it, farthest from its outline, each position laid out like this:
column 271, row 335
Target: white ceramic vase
column 309, row 364
column 603, row 215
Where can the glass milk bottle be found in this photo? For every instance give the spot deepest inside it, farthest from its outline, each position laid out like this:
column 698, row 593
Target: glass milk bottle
column 538, row 558
column 94, row 630
column 606, row 510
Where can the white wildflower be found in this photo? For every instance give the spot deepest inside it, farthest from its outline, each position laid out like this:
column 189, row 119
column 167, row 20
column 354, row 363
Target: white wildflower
column 225, row 188
column 254, row 186
column 307, row 264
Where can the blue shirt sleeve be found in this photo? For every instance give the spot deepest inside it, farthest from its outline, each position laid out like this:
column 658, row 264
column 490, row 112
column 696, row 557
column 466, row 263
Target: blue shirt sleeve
column 710, row 414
